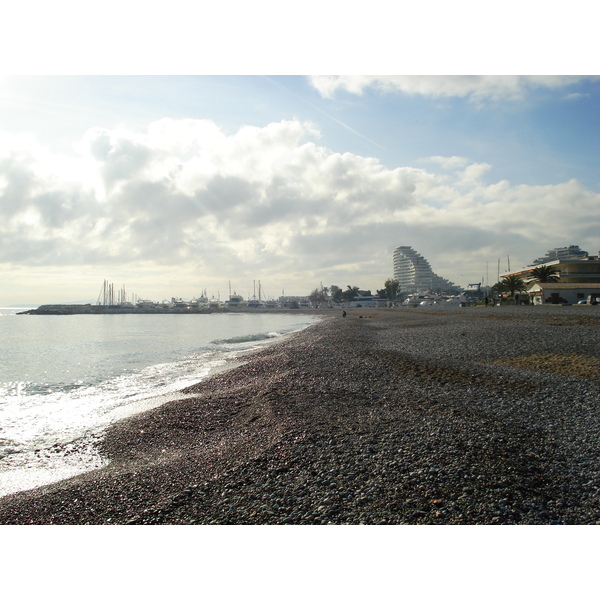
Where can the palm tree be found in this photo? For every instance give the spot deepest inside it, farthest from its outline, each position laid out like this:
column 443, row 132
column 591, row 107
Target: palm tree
column 499, row 288
column 513, row 283
column 545, row 274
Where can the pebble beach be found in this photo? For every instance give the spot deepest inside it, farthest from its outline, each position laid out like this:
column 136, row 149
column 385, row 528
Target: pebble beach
column 477, row 415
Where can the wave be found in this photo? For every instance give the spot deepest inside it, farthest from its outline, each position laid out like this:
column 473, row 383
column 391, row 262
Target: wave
column 254, row 337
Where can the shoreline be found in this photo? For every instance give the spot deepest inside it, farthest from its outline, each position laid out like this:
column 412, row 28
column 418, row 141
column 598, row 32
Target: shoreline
column 63, row 458
column 398, row 417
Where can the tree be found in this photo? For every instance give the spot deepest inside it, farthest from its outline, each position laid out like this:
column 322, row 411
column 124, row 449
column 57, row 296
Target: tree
column 512, row 284
column 317, row 297
column 349, row 294
column 392, row 289
column 545, row 274
column 336, row 294
column 499, row 288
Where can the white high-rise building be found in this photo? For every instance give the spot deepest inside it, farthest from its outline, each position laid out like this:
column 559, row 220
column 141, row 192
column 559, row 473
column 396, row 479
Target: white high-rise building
column 414, row 273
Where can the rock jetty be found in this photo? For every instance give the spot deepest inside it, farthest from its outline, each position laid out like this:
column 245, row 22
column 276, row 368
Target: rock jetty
column 98, row 309
column 405, row 416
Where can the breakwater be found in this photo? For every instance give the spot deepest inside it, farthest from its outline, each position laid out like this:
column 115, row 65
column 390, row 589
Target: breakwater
column 95, row 309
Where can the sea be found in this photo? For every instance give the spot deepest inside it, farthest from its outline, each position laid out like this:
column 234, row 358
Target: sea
column 65, row 378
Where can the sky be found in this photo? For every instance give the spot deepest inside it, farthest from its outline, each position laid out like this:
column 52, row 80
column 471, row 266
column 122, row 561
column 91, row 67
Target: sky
column 170, row 183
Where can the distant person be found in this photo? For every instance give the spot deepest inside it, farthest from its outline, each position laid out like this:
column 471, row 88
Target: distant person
column 487, row 301
column 344, row 313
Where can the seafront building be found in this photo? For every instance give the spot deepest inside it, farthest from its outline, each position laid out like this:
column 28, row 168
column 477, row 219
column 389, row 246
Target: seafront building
column 415, row 274
column 578, row 277
column 564, row 293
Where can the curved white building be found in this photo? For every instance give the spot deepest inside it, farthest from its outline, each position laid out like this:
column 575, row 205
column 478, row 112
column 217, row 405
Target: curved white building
column 414, row 273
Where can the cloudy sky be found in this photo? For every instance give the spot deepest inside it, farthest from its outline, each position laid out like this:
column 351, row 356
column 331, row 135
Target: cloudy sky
column 172, row 184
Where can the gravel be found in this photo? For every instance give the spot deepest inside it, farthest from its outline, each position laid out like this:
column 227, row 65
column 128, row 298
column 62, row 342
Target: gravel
column 402, row 416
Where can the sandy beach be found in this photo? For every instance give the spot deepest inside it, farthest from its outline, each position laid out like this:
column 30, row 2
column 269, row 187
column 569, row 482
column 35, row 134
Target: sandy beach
column 404, row 416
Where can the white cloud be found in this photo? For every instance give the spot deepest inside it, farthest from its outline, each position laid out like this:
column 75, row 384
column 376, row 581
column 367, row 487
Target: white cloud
column 577, row 96
column 474, row 87
column 268, row 202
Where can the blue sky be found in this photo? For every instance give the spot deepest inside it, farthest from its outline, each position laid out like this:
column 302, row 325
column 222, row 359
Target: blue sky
column 544, row 137
column 171, row 184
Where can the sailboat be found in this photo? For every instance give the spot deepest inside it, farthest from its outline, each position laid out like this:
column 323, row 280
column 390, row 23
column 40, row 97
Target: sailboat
column 254, row 303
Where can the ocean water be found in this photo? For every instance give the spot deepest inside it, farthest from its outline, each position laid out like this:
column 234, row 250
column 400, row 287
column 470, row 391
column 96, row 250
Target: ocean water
column 63, row 379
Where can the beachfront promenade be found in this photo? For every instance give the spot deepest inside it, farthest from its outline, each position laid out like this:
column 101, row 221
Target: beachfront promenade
column 405, row 416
